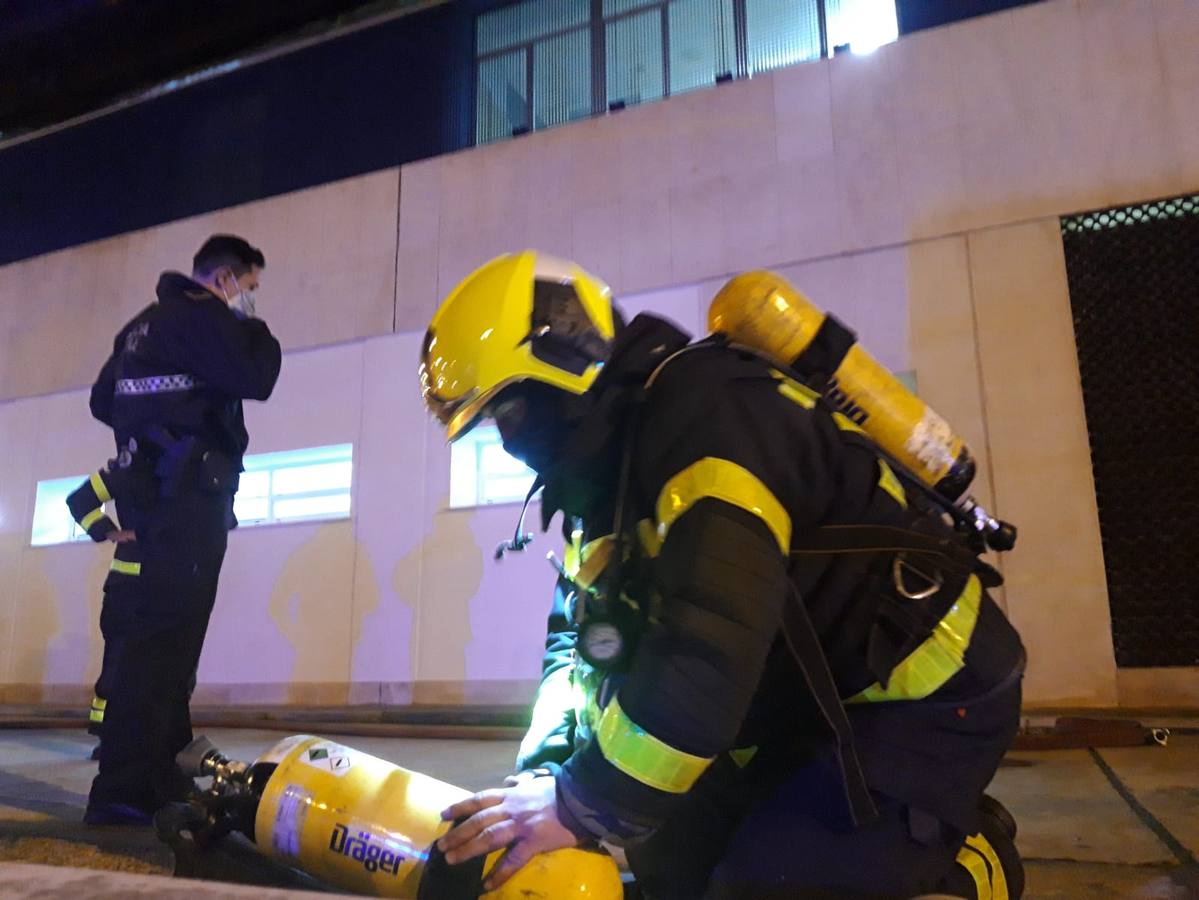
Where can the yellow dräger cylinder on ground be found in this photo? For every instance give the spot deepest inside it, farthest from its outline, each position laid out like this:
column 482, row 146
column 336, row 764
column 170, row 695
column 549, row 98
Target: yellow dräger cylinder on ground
column 361, row 824
column 762, row 311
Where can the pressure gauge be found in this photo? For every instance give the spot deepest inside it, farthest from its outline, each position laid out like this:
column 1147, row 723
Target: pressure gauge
column 601, row 643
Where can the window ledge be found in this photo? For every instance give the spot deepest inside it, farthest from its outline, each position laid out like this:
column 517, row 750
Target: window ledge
column 323, row 520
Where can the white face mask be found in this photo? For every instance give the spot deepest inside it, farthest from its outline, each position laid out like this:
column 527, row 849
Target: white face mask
column 247, row 303
column 244, row 302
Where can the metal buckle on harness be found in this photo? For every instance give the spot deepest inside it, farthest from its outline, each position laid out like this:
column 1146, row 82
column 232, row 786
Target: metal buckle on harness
column 898, row 567
column 124, row 455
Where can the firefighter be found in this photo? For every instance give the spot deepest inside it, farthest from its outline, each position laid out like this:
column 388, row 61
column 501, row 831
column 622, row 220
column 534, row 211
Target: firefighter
column 758, row 712
column 86, row 504
column 172, row 392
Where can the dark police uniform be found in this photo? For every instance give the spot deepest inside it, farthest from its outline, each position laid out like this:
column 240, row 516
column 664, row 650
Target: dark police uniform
column 172, row 392
column 794, row 721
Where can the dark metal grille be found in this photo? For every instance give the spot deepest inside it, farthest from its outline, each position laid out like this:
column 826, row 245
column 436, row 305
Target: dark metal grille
column 1134, row 289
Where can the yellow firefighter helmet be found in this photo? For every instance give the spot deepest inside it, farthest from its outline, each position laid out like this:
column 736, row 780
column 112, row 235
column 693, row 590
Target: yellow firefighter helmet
column 521, row 317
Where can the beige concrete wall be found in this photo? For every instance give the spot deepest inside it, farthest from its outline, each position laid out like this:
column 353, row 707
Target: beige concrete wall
column 945, row 354
column 1040, row 459
column 1056, row 107
column 402, row 603
column 18, row 434
column 1052, row 108
column 405, row 604
column 330, row 277
column 1176, row 688
column 954, row 147
column 914, row 192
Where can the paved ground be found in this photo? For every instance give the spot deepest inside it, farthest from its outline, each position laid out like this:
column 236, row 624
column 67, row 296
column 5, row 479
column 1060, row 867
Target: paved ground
column 1121, row 823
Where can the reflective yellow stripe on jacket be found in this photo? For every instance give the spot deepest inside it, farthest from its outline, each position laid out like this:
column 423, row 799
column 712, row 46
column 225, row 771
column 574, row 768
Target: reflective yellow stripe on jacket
column 802, row 395
column 727, row 481
column 100, row 488
column 126, row 568
column 889, row 483
column 91, row 518
column 937, row 659
column 644, row 757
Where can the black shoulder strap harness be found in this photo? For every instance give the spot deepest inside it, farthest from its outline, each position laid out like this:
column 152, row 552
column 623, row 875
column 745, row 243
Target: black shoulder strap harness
column 950, row 553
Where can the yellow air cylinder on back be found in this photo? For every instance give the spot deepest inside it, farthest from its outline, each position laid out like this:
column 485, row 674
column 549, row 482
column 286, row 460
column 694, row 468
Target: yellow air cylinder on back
column 361, row 823
column 761, row 310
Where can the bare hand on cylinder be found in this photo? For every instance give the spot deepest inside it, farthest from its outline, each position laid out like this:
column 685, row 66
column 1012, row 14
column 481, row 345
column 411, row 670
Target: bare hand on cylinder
column 123, row 536
column 521, row 777
column 523, row 818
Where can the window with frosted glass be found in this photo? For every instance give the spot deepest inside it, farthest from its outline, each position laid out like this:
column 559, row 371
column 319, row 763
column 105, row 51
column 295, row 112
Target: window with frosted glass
column 702, row 43
column 780, row 33
column 616, row 7
column 542, row 45
column 52, row 522
column 295, row 485
column 481, row 472
column 288, row 486
column 863, row 25
column 562, row 78
column 524, row 23
column 633, row 57
column 501, row 97
column 537, row 65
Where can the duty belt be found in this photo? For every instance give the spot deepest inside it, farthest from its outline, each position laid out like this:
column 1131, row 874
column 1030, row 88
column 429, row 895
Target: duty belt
column 157, row 384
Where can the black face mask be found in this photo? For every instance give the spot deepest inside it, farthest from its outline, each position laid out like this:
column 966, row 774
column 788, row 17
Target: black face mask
column 538, row 434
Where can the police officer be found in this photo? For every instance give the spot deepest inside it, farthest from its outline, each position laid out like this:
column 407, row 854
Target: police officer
column 172, row 391
column 754, row 717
